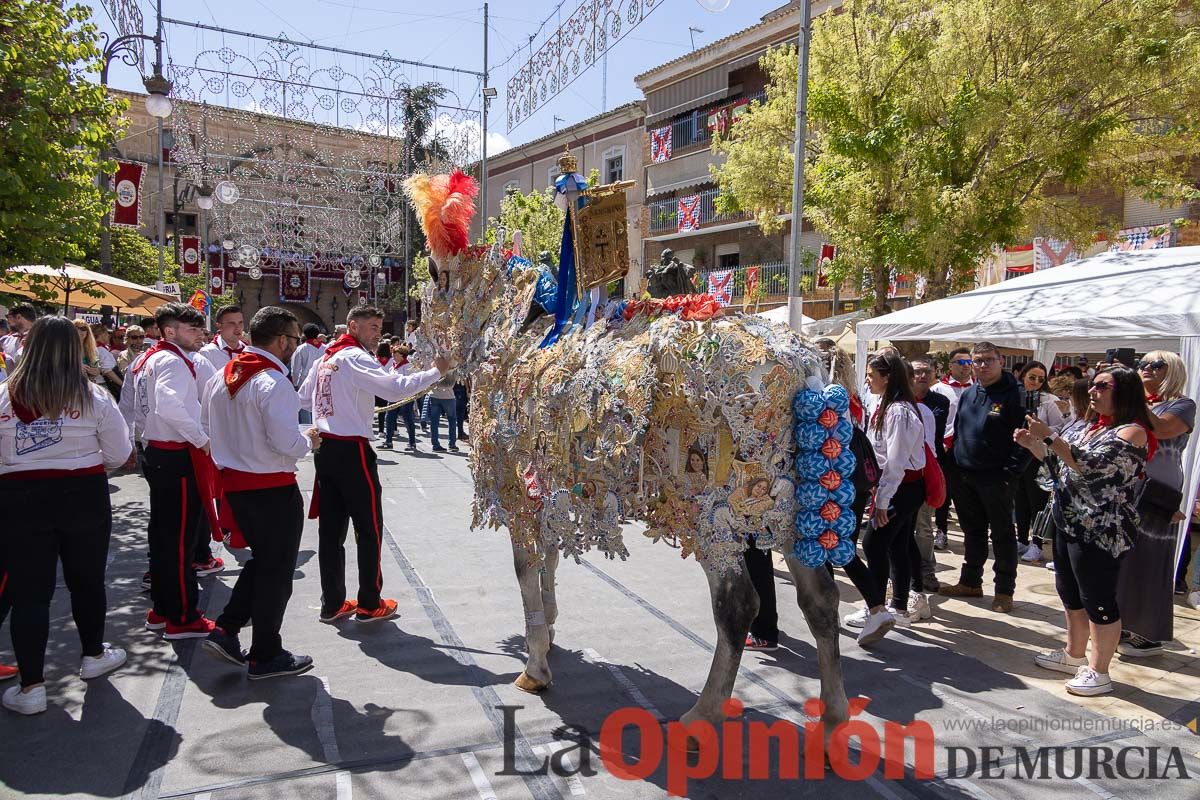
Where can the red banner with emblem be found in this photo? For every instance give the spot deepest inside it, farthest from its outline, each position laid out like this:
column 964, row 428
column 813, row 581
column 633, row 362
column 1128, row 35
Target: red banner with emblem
column 128, row 186
column 216, row 284
column 828, row 253
column 294, row 282
column 189, row 254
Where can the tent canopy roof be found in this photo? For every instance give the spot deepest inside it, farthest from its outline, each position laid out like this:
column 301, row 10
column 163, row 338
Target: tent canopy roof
column 1152, row 297
column 82, row 288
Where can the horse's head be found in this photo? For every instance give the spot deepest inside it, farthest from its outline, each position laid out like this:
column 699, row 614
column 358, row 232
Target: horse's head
column 460, row 298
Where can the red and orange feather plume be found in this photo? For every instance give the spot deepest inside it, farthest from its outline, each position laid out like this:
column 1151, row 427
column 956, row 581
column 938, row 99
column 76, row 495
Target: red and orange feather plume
column 445, row 205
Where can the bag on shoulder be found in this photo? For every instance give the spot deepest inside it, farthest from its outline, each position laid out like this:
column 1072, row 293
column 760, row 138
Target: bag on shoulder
column 866, row 466
column 935, row 480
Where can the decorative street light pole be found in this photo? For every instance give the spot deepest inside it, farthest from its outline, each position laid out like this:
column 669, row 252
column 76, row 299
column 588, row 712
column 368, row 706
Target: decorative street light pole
column 795, row 292
column 158, row 105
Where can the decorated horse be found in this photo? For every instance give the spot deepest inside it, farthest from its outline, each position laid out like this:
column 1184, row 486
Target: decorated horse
column 672, row 412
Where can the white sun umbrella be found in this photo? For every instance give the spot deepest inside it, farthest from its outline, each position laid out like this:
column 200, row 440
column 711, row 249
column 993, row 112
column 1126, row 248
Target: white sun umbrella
column 70, row 285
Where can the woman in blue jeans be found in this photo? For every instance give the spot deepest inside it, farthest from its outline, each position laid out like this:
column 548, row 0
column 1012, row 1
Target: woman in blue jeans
column 442, row 403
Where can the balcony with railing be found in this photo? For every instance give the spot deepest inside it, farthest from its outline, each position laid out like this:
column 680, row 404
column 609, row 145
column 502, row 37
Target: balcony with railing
column 664, row 213
column 691, row 131
column 771, row 283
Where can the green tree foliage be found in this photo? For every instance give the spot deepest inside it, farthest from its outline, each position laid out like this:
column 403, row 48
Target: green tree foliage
column 135, row 259
column 941, row 129
column 54, row 124
column 536, row 217
column 420, row 276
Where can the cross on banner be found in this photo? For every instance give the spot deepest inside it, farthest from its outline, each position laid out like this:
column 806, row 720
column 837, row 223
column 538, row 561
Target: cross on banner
column 1049, row 253
column 1145, row 238
column 689, row 213
column 720, row 286
column 660, row 144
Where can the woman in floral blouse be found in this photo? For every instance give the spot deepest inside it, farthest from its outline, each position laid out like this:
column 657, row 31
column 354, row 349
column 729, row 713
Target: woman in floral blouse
column 1096, row 475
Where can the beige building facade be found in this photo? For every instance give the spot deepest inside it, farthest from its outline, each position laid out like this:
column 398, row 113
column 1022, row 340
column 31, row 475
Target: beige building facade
column 611, row 142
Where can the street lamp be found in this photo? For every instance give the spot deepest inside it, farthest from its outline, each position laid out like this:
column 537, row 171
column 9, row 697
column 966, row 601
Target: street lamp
column 158, row 89
column 204, row 197
column 158, row 105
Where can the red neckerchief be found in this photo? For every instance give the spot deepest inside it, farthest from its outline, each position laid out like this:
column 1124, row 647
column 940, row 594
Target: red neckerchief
column 856, row 409
column 949, row 381
column 243, row 367
column 221, row 344
column 1153, row 399
column 339, row 344
column 400, row 362
column 315, row 342
column 1105, row 421
column 160, row 346
column 383, row 360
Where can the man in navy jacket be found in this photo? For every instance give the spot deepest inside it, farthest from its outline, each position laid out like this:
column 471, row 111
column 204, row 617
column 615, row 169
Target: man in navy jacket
column 988, row 462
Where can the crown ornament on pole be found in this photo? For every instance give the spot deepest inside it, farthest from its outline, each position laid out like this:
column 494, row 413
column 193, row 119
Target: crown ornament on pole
column 567, row 163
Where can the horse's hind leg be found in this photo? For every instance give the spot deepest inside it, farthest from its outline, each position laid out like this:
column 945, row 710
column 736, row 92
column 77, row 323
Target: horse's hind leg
column 536, row 676
column 549, row 599
column 817, row 595
column 734, row 604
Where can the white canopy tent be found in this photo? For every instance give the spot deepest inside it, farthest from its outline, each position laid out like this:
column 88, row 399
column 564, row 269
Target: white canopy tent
column 1148, row 300
column 781, row 315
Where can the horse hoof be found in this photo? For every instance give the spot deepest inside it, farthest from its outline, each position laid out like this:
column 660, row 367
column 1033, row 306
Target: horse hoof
column 528, row 684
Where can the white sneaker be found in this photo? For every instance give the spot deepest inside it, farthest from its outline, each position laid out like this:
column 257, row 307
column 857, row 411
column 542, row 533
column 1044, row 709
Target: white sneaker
column 876, row 627
column 27, row 703
column 900, row 617
column 1050, row 566
column 940, row 540
column 1089, row 683
column 918, row 607
column 1059, row 661
column 1193, row 599
column 107, row 661
column 857, row 619
column 1032, row 553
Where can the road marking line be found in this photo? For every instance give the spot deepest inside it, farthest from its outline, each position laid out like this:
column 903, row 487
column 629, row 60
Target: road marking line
column 390, row 500
column 568, row 762
column 478, row 778
column 418, row 485
column 623, row 679
column 322, row 717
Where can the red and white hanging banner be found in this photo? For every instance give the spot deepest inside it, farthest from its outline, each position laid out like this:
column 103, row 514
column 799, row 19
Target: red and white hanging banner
column 294, row 282
column 217, row 282
column 128, row 202
column 828, row 253
column 689, row 213
column 720, row 285
column 189, row 254
column 660, row 144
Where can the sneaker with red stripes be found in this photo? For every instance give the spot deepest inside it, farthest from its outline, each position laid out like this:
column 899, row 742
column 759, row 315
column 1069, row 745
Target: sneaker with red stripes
column 208, row 567
column 348, row 608
column 155, row 622
column 198, row 628
column 7, row 672
column 386, row 610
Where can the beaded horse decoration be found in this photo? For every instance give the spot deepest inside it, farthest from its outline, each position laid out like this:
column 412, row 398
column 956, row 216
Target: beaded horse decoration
column 670, row 412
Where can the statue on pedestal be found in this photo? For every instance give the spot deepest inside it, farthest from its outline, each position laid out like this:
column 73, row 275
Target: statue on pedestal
column 671, row 277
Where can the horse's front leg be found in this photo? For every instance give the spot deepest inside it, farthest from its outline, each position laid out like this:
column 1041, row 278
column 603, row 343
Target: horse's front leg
column 536, row 676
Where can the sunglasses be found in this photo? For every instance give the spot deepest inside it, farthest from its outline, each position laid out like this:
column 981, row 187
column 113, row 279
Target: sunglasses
column 1151, row 365
column 1036, row 378
column 983, row 362
column 1101, row 387
column 963, row 362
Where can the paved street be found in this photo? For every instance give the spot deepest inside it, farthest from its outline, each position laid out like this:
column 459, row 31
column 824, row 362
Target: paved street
column 410, row 709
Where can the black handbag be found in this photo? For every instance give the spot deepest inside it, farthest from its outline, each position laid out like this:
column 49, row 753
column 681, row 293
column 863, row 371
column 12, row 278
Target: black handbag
column 1046, row 522
column 866, row 466
column 1160, row 498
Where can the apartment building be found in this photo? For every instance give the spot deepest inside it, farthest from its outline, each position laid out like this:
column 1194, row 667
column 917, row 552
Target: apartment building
column 610, row 142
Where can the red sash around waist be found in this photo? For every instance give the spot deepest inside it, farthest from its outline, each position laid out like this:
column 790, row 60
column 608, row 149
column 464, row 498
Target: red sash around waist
column 235, row 480
column 52, row 474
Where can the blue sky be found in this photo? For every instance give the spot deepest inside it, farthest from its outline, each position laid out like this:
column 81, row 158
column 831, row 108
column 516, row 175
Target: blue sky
column 450, row 33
